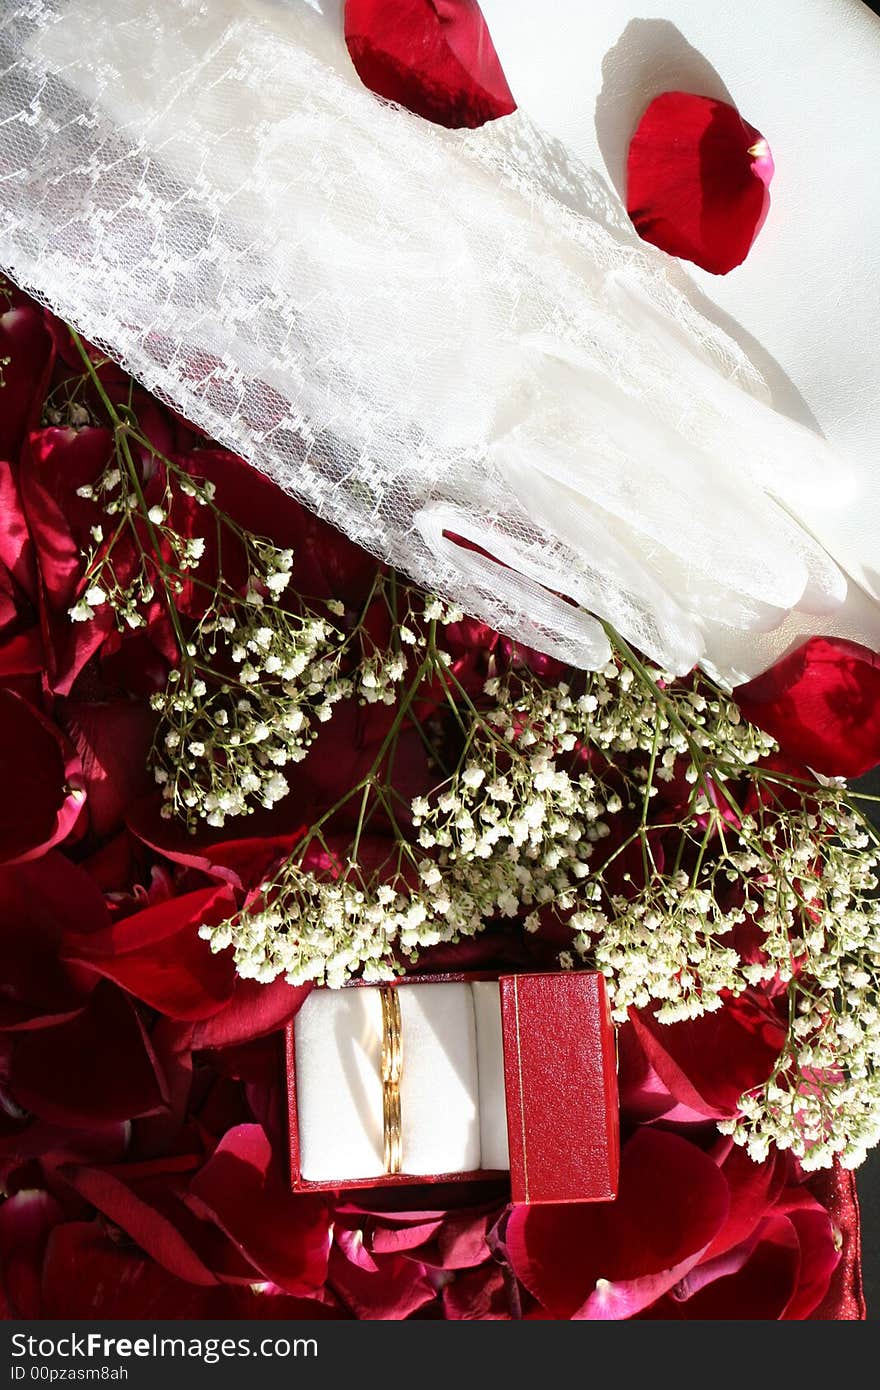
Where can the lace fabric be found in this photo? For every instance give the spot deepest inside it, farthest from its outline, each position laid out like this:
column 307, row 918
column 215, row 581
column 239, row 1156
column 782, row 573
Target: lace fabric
column 427, row 336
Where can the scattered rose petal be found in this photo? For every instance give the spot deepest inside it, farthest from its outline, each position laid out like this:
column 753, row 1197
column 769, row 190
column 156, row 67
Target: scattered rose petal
column 698, row 179
column 26, row 1218
column 435, row 57
column 685, row 1054
column 39, row 901
column 821, row 703
column 253, row 1010
column 152, row 1230
column 41, row 776
column 478, row 1294
column 158, row 955
column 285, row 1236
column 610, row 1260
column 113, row 741
column 93, row 1068
column 387, row 1288
column 26, row 352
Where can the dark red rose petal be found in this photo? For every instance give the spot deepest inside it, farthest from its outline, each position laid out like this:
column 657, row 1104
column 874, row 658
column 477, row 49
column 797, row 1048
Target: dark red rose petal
column 820, row 1253
column 285, row 1236
column 821, row 703
column 16, row 546
column 685, row 1055
column 435, row 57
column 253, row 1011
column 26, row 353
column 91, row 1069
column 55, row 463
column 158, row 955
column 41, row 777
column 697, row 180
column 58, row 463
column 478, row 1295
column 26, row 1219
column 753, row 1189
column 761, row 1287
column 150, row 1228
column 610, row 1260
column 39, row 901
column 86, row 1274
column 389, row 1288
column 113, row 740
column 240, row 853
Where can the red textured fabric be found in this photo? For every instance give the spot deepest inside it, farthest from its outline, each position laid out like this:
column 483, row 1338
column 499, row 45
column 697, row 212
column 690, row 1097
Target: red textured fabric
column 845, row 1299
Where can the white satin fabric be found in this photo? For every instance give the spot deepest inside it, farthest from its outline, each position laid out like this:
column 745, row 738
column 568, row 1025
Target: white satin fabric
column 453, row 1108
column 423, row 334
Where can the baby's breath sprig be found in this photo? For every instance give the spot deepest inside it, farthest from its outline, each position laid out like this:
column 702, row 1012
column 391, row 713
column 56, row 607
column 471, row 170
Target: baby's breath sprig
column 255, row 675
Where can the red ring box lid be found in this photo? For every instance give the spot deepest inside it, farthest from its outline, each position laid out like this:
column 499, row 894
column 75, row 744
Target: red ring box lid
column 560, row 1077
column 560, row 1080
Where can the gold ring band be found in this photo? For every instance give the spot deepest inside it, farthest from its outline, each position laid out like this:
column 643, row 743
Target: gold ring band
column 392, row 1064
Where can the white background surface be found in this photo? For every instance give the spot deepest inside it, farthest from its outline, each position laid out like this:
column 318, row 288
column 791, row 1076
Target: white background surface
column 806, row 302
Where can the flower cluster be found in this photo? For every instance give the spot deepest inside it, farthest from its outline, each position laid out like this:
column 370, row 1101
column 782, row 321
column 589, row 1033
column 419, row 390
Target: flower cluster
column 252, row 675
column 243, row 704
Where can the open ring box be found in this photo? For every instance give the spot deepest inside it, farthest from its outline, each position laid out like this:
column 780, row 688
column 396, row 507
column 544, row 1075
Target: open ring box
column 513, row 1074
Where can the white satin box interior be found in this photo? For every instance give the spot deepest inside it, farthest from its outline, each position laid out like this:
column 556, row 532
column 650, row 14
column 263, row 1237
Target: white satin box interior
column 516, row 1074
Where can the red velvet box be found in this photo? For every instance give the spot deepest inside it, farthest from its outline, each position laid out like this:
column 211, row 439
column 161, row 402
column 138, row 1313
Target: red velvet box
column 560, row 1079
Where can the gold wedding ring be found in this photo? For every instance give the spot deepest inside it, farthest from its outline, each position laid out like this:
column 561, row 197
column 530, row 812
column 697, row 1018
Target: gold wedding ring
column 392, row 1063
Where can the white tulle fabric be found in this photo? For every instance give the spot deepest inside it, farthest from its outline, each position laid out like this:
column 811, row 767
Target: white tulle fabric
column 428, row 336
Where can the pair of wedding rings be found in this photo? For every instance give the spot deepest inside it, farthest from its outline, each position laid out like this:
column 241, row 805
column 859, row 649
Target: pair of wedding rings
column 392, row 1065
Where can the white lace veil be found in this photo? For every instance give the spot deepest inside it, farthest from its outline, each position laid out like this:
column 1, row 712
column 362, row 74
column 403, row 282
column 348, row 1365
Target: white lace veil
column 423, row 334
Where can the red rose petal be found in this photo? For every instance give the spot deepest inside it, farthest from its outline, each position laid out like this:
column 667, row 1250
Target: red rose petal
column 39, row 901
column 435, row 57
column 685, row 1054
column 87, row 1275
column 55, row 463
column 753, row 1189
column 59, row 462
column 610, row 1260
column 761, row 1287
column 821, row 703
column 253, row 1011
column 149, row 1228
column 820, row 1254
column 16, row 546
column 240, row 854
column 113, row 741
column 26, row 353
column 26, row 1218
column 390, row 1288
column 697, row 180
column 478, row 1295
column 41, row 776
column 158, row 955
column 286, row 1237
column 93, row 1068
